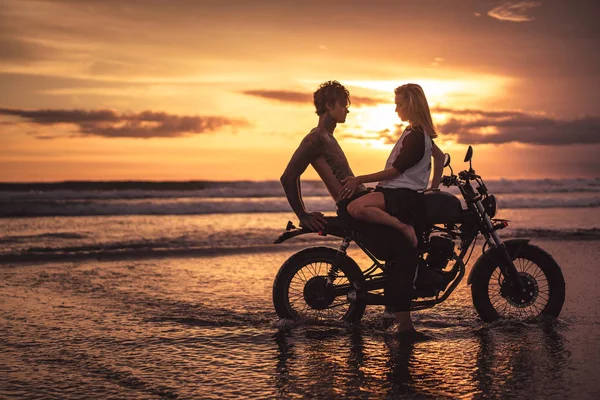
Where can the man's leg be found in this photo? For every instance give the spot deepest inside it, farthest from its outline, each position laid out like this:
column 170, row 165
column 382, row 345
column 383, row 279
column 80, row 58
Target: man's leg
column 371, row 208
column 392, row 245
column 399, row 289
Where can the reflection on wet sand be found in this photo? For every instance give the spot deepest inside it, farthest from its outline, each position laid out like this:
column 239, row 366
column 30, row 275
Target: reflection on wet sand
column 518, row 358
column 205, row 328
column 501, row 360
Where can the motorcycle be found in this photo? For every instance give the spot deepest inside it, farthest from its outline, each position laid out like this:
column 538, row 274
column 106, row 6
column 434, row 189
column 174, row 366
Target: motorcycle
column 512, row 279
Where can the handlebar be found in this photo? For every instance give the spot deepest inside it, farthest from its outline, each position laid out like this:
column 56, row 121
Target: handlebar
column 465, row 175
column 452, row 180
column 449, row 180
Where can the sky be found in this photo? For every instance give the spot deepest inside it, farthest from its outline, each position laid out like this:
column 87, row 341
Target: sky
column 222, row 90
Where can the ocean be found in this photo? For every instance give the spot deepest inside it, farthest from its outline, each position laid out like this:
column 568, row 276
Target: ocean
column 49, row 221
column 149, row 290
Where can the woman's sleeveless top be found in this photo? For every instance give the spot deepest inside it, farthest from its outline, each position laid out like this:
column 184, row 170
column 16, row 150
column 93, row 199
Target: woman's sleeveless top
column 417, row 176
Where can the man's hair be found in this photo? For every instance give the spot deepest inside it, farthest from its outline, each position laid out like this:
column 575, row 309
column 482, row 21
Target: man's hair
column 418, row 109
column 329, row 93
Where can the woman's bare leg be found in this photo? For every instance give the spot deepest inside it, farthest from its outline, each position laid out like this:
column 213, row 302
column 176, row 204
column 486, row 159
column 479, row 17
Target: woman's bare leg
column 371, row 208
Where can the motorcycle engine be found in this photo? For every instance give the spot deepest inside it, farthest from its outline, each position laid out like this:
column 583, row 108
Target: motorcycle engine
column 431, row 279
column 441, row 250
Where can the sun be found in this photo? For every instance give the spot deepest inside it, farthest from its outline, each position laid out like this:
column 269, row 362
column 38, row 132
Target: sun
column 373, row 125
column 377, row 118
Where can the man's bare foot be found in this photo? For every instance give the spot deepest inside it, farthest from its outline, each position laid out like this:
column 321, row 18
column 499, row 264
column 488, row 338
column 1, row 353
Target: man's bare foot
column 410, row 234
column 407, row 334
column 397, row 328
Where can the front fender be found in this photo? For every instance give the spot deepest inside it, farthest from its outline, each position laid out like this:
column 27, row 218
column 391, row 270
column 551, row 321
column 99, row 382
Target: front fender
column 493, row 255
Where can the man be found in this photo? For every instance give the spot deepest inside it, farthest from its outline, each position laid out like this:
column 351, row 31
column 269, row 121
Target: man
column 320, row 149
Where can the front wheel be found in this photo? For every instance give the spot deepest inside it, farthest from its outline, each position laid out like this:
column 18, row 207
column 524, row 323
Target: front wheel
column 300, row 290
column 494, row 297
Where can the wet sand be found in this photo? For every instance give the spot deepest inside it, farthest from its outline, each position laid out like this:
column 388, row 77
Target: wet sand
column 205, row 327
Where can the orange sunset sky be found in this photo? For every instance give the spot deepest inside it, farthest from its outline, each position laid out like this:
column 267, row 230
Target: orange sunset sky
column 222, row 90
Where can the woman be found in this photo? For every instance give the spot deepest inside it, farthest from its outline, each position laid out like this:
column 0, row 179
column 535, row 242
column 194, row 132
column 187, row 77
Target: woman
column 407, row 170
column 397, row 199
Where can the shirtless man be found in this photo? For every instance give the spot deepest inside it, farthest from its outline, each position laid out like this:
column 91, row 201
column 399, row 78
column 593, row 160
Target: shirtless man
column 320, row 149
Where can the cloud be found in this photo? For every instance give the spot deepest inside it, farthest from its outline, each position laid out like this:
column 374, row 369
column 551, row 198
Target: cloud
column 45, row 137
column 498, row 127
column 283, row 96
column 17, row 50
column 493, row 127
column 437, row 61
column 288, row 96
column 111, row 124
column 514, row 11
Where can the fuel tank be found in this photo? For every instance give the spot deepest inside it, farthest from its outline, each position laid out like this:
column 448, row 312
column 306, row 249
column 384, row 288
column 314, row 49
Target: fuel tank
column 442, row 208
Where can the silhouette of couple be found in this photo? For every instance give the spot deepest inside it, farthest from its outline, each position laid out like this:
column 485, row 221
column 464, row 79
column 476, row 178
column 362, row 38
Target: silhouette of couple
column 396, row 200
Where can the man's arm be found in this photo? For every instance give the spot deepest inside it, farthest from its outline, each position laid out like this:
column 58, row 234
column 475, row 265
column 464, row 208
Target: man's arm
column 290, row 180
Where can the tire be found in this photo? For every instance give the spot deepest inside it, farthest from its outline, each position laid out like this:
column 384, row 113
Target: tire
column 301, row 268
column 545, row 282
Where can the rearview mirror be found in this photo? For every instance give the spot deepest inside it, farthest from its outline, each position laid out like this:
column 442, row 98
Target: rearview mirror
column 446, row 160
column 469, row 154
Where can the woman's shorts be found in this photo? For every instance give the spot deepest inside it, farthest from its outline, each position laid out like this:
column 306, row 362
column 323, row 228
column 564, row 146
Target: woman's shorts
column 381, row 240
column 405, row 204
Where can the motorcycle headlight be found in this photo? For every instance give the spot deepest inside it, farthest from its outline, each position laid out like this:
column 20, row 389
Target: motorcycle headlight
column 491, row 205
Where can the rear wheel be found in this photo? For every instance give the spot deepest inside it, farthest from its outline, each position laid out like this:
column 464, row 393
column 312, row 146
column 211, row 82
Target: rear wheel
column 300, row 290
column 496, row 297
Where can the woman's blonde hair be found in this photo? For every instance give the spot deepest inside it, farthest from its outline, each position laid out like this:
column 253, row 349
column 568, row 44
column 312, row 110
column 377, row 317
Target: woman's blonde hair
column 419, row 115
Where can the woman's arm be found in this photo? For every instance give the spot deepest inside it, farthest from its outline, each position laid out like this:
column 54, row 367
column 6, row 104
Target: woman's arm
column 384, row 175
column 412, row 151
column 352, row 182
column 438, row 167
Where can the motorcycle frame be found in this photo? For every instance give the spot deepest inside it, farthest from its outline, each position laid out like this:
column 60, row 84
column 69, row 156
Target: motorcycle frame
column 475, row 220
column 374, row 275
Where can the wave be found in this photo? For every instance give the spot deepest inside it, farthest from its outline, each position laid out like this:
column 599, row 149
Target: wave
column 554, row 234
column 505, row 186
column 118, row 252
column 258, row 242
column 548, row 200
column 14, row 192
column 53, row 235
column 225, row 205
column 41, row 208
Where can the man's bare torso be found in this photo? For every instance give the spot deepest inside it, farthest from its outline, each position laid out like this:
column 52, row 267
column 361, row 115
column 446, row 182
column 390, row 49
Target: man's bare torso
column 329, row 160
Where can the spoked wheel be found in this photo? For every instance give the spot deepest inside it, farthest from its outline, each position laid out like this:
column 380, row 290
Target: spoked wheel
column 301, row 289
column 495, row 297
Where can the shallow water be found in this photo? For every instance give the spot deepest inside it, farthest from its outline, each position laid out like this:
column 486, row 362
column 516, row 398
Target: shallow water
column 205, row 328
column 53, row 238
